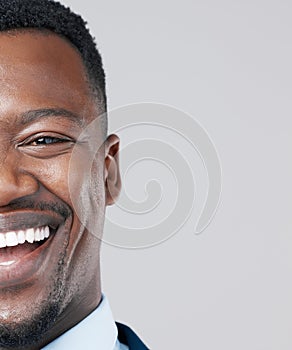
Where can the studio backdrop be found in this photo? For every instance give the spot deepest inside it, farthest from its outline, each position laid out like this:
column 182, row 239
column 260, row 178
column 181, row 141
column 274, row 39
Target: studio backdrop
column 197, row 252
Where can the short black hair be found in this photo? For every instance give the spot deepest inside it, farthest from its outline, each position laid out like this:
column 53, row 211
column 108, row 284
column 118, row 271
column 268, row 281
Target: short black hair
column 59, row 19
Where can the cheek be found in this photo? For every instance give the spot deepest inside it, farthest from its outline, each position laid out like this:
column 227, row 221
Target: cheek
column 76, row 181
column 87, row 193
column 52, row 175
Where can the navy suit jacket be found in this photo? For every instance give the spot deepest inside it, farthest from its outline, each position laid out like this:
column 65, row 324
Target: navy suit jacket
column 128, row 337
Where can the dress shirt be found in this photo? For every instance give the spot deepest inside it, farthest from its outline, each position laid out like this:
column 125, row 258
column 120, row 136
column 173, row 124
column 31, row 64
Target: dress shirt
column 97, row 331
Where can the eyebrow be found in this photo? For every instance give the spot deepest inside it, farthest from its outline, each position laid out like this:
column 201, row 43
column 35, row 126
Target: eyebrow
column 34, row 115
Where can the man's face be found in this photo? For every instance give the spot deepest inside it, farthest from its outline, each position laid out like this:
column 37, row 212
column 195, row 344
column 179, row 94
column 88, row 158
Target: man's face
column 45, row 103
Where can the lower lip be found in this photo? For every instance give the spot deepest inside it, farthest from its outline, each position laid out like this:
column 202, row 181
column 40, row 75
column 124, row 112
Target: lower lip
column 26, row 267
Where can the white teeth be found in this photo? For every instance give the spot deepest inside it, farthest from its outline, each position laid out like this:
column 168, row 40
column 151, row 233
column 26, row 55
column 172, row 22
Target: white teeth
column 11, row 239
column 2, row 240
column 21, row 237
column 31, row 235
column 42, row 233
column 37, row 236
column 47, row 232
column 7, row 263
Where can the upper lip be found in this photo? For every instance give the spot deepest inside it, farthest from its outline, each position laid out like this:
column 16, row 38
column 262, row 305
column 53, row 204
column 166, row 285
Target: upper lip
column 24, row 220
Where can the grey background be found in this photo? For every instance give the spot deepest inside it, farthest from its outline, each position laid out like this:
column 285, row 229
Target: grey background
column 228, row 63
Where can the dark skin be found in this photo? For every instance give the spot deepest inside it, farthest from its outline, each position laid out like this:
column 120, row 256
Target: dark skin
column 39, row 73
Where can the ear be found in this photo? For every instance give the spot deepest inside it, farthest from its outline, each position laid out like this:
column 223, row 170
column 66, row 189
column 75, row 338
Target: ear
column 112, row 175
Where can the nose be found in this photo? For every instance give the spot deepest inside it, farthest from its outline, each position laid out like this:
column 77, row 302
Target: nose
column 15, row 183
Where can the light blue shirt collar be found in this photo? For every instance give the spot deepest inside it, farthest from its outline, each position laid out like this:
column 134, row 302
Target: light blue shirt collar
column 97, row 331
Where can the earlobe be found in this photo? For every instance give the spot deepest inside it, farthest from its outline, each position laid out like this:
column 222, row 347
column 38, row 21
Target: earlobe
column 112, row 171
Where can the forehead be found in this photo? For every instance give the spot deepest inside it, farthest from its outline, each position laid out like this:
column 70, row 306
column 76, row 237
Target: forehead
column 39, row 71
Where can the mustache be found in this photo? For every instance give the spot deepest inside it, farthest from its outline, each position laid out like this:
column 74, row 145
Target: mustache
column 59, row 208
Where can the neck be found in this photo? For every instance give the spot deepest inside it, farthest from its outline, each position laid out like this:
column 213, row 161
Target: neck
column 77, row 310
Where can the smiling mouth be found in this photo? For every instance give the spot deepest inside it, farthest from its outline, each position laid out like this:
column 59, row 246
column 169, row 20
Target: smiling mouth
column 29, row 241
column 16, row 244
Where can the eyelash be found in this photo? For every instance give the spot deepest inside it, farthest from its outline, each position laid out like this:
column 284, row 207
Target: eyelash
column 42, row 141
